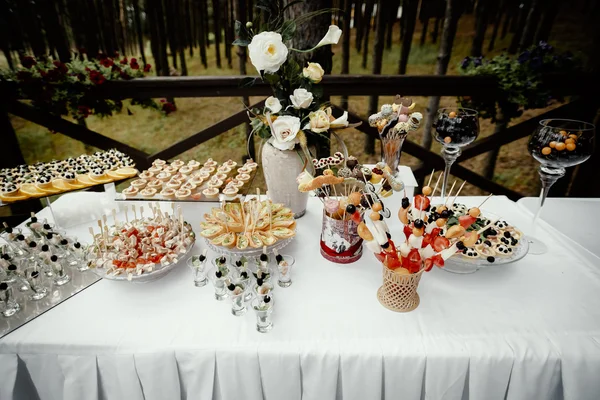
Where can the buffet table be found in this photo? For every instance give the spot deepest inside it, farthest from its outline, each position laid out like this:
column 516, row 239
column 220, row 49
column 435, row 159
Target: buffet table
column 528, row 330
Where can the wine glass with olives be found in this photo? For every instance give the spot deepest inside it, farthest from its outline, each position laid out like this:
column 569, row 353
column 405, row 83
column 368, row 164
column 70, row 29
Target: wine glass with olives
column 455, row 127
column 557, row 144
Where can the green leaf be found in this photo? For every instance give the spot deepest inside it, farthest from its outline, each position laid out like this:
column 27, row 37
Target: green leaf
column 271, row 79
column 291, row 3
column 288, row 30
column 247, row 82
column 317, row 91
column 241, row 42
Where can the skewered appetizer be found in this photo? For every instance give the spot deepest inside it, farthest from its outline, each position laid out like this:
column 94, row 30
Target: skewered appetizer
column 43, row 179
column 252, row 224
column 142, row 245
column 192, row 181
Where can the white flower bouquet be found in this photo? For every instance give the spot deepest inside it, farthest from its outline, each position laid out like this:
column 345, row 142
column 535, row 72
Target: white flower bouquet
column 295, row 107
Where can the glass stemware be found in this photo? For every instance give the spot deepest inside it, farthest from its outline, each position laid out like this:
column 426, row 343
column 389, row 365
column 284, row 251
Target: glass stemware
column 220, row 279
column 237, row 294
column 557, row 144
column 455, row 127
column 36, row 280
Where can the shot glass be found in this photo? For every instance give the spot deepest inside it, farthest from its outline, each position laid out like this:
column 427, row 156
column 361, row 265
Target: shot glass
column 244, row 277
column 284, row 265
column 262, row 289
column 220, row 281
column 198, row 264
column 263, row 307
column 61, row 277
column 37, row 282
column 237, row 294
column 10, row 305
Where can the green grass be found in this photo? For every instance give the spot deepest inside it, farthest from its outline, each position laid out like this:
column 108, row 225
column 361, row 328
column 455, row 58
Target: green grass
column 152, row 132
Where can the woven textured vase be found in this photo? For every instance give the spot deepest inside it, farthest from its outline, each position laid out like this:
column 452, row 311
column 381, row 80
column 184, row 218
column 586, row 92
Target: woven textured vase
column 399, row 292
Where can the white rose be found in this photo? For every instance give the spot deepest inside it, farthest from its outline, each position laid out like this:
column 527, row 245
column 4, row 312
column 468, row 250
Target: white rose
column 318, row 121
column 340, row 122
column 331, row 37
column 301, row 98
column 267, row 51
column 273, row 104
column 284, row 130
column 314, row 72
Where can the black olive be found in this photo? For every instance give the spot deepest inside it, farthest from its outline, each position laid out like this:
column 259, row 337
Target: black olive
column 202, row 257
column 428, row 208
column 47, row 226
column 5, row 257
column 244, row 275
column 12, row 267
column 34, row 274
column 238, row 263
column 264, row 257
column 491, row 259
column 77, row 245
column 33, row 219
column 350, row 208
column 279, row 258
column 507, row 235
column 54, row 258
column 444, row 214
column 514, row 242
column 222, row 260
column 419, row 223
column 259, row 281
column 460, row 245
column 386, row 245
column 45, row 247
column 487, row 242
column 267, row 299
column 21, row 237
column 405, row 202
column 64, row 242
column 389, row 236
column 32, row 244
column 3, row 286
column 231, row 286
column 218, row 274
column 49, row 235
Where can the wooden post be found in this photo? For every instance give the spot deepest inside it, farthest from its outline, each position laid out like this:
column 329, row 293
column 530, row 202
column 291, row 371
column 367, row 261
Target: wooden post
column 481, row 21
column 366, row 26
column 138, row 29
column 217, row 31
column 242, row 15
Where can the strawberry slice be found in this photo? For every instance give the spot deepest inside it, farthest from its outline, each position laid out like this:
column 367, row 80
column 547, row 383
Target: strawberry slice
column 440, row 243
column 428, row 264
column 356, row 217
column 392, row 262
column 380, row 256
column 438, row 260
column 421, row 202
column 466, row 220
column 407, row 231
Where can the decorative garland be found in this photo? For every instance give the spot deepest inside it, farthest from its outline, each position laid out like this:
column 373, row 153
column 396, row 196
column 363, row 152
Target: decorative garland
column 68, row 88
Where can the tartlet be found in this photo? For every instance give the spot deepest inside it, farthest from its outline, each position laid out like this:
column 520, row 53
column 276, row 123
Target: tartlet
column 177, row 164
column 130, row 192
column 230, row 192
column 148, row 192
column 155, row 184
column 155, row 169
column 195, row 165
column 147, row 175
column 183, row 194
column 164, row 176
column 168, row 193
column 139, row 184
column 211, row 193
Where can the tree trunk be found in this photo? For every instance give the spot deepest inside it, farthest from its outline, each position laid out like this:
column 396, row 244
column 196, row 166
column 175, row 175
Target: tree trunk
column 480, row 28
column 519, row 25
column 138, row 28
column 180, row 17
column 382, row 11
column 424, row 32
column 203, row 27
column 172, row 28
column 308, row 35
column 226, row 27
column 358, row 18
column 366, row 25
column 531, row 24
column 188, row 14
column 162, row 36
column 409, row 14
column 436, row 30
column 509, row 12
column 454, row 9
column 217, row 31
column 346, row 45
column 393, row 12
column 497, row 21
column 543, row 33
column 241, row 14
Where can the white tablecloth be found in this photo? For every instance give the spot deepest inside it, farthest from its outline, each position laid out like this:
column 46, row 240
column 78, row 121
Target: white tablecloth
column 576, row 218
column 530, row 330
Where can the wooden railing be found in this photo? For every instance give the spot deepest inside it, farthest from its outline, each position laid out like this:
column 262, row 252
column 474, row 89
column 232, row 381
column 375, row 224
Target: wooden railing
column 582, row 105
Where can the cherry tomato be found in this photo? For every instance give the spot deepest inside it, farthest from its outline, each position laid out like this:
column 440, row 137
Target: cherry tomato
column 440, row 243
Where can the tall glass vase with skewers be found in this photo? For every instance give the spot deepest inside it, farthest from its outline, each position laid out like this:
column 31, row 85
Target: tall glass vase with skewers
column 455, row 128
column 557, row 144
